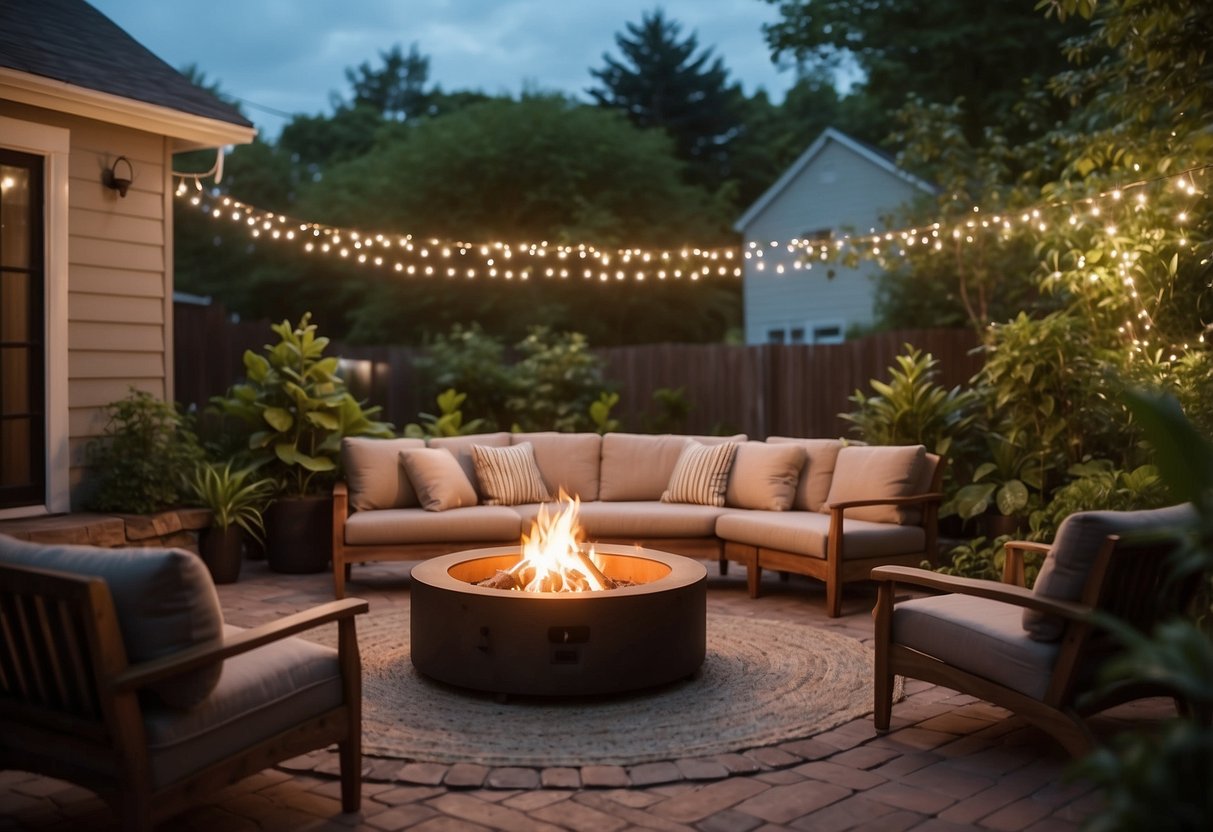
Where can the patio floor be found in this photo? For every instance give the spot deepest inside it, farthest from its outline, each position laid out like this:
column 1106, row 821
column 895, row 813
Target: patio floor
column 950, row 762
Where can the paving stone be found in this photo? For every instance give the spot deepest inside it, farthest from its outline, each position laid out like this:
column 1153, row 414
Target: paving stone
column 915, row 739
column 610, row 777
column 773, row 757
column 634, row 817
column 405, row 794
column 864, row 757
column 729, row 821
column 698, row 768
column 423, row 774
column 849, row 735
column 1053, row 825
column 1018, row 815
column 700, row 803
column 950, row 778
column 903, row 764
column 445, row 824
column 850, row 778
column 845, row 814
column 808, row 749
column 902, row 796
column 401, row 817
column 738, row 763
column 893, row 822
column 465, row 776
column 781, row 804
column 782, row 777
column 465, row 807
column 650, row 774
column 513, row 777
column 633, row 798
column 560, row 778
column 528, row 801
column 574, row 815
column 954, row 723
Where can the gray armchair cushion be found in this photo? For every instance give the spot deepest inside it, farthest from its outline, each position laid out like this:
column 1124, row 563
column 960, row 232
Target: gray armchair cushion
column 1065, row 570
column 164, row 599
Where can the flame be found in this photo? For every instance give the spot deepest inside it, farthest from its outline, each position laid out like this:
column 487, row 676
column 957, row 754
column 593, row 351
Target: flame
column 554, row 558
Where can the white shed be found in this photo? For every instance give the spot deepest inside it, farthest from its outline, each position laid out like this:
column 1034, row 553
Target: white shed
column 837, row 184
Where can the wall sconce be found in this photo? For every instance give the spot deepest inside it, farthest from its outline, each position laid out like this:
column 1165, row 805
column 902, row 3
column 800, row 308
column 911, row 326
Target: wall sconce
column 119, row 175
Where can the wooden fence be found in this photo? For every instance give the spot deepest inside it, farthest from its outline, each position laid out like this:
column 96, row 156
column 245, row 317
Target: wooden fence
column 789, row 390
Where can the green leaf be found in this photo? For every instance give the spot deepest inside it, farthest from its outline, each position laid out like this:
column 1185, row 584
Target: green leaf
column 323, row 420
column 279, row 419
column 1012, row 497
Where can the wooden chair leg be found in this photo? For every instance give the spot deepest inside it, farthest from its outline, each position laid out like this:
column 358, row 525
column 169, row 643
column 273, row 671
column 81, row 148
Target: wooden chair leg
column 833, row 597
column 340, row 576
column 724, row 566
column 882, row 682
column 753, row 577
column 350, row 756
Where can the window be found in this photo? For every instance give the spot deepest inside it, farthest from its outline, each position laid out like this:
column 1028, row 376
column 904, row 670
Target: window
column 822, row 332
column 22, row 331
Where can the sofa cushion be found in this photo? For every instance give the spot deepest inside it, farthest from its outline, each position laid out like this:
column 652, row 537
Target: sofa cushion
column 374, row 474
column 1064, row 572
column 701, row 474
column 164, row 599
column 568, row 461
column 808, row 533
column 638, row 466
column 509, row 476
column 637, row 521
column 980, row 636
column 878, row 472
column 259, row 694
column 473, row 524
column 814, row 485
column 461, row 447
column 439, row 480
column 764, row 476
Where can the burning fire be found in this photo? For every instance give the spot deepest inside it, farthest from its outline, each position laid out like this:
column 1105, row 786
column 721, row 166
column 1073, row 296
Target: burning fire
column 554, row 558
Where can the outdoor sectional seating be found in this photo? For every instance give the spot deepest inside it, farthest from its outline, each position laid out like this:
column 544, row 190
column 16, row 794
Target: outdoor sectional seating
column 815, row 507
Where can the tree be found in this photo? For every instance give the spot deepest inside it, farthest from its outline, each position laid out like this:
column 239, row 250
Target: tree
column 397, row 90
column 666, row 83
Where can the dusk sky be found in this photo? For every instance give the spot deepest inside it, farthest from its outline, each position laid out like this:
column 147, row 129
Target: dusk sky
column 290, row 55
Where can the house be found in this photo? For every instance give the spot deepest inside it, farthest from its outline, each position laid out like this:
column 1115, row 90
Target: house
column 837, row 186
column 86, row 267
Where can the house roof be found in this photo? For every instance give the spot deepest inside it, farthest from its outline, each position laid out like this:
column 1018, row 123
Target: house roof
column 805, row 159
column 72, row 52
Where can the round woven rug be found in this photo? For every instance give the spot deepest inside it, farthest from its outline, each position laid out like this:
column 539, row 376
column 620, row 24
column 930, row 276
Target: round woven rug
column 762, row 682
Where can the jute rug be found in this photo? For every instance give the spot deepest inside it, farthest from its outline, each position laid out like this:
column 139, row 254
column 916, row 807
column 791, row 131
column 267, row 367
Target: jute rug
column 763, row 682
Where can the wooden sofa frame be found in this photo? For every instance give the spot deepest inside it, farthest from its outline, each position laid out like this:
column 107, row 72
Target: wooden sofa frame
column 70, row 707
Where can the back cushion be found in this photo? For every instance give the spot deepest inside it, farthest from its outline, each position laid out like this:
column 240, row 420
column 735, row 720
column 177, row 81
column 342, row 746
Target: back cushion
column 637, row 466
column 461, row 447
column 818, row 472
column 1063, row 575
column 164, row 599
column 567, row 460
column 876, row 472
column 439, row 479
column 765, row 476
column 374, row 474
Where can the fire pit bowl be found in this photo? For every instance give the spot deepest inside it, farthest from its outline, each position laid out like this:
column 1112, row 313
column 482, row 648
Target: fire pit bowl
column 557, row 644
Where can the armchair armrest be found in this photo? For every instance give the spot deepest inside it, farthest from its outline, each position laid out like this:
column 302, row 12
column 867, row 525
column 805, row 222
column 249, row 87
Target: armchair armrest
column 977, row 588
column 1013, row 563
column 144, row 673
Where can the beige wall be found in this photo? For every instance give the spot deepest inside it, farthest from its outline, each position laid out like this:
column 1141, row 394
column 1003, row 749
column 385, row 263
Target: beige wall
column 119, row 272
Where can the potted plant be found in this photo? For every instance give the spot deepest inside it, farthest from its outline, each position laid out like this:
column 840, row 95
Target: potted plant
column 294, row 409
column 237, row 502
column 1001, row 490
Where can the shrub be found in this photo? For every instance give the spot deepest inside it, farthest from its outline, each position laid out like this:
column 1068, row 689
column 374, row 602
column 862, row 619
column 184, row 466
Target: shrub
column 556, row 382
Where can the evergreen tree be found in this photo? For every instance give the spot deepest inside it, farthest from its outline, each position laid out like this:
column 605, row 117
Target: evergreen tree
column 397, row 90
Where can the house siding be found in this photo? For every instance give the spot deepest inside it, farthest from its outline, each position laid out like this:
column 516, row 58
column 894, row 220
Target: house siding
column 119, row 273
column 838, row 190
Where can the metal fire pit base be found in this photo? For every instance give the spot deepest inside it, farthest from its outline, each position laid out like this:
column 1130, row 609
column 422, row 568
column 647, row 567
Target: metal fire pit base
column 558, row 644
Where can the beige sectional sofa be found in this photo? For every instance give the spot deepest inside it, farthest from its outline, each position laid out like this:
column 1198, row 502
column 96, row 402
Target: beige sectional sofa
column 809, row 506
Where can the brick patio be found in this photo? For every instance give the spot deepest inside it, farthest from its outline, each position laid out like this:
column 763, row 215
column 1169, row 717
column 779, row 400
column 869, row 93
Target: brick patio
column 951, row 762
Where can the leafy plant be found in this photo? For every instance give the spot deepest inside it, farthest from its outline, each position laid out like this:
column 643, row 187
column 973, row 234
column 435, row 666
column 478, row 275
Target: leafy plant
column 140, row 461
column 672, row 409
column 1003, row 482
column 911, row 409
column 294, row 409
column 979, row 558
column 556, row 381
column 600, row 413
column 235, row 497
column 1096, row 484
column 468, row 359
column 448, row 422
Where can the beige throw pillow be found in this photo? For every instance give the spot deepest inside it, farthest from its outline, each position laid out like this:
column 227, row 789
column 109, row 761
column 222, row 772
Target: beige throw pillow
column 875, row 472
column 701, row 474
column 374, row 474
column 509, row 476
column 438, row 479
column 818, row 472
column 764, row 476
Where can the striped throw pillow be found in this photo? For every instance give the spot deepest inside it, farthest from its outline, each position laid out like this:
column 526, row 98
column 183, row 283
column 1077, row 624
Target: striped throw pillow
column 509, row 476
column 701, row 474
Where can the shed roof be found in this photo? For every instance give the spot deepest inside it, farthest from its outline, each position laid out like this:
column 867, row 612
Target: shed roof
column 805, row 159
column 69, row 41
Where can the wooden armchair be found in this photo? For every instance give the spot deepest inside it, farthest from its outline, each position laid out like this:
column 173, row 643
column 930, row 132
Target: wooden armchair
column 74, row 706
column 1035, row 652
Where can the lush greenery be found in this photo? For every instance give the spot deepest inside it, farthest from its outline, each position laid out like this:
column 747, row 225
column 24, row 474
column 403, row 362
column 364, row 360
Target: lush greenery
column 292, row 410
column 141, row 461
column 236, row 496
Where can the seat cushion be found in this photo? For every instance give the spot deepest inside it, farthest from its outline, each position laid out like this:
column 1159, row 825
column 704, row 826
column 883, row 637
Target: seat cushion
column 638, row 466
column 438, row 478
column 260, row 693
column 164, row 599
column 878, row 472
column 701, row 474
column 473, row 524
column 509, row 476
column 567, row 460
column 821, row 455
column 642, row 520
column 765, row 476
column 1064, row 572
column 374, row 474
column 979, row 636
column 808, row 533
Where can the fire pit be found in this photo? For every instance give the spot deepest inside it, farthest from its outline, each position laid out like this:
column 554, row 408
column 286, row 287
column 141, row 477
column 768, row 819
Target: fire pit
column 648, row 631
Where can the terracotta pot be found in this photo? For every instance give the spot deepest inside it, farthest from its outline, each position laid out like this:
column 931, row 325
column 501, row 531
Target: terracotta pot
column 222, row 550
column 299, row 534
